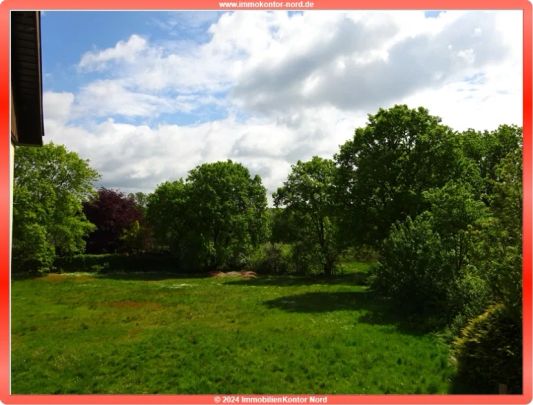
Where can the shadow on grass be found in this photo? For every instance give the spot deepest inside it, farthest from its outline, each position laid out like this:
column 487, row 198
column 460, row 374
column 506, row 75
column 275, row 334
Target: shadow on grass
column 283, row 281
column 376, row 310
column 26, row 276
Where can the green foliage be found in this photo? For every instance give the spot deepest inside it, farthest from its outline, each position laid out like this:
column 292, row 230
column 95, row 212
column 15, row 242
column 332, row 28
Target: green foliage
column 488, row 148
column 50, row 186
column 469, row 295
column 227, row 211
column 386, row 167
column 272, row 258
column 489, row 352
column 166, row 213
column 455, row 213
column 413, row 267
column 499, row 248
column 214, row 219
column 308, row 200
column 425, row 261
column 117, row 263
column 136, row 239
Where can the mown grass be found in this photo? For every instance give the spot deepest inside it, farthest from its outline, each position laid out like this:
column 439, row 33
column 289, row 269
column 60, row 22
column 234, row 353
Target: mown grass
column 161, row 334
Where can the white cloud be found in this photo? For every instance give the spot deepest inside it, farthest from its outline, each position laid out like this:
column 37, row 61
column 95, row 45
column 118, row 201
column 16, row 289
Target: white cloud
column 109, row 97
column 291, row 86
column 57, row 106
column 122, row 51
column 353, row 66
column 134, row 157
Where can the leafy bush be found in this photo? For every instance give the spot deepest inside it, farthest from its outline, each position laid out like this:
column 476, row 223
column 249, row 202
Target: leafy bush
column 469, row 297
column 272, row 258
column 33, row 252
column 489, row 352
column 412, row 268
column 426, row 262
column 118, row 263
column 284, row 258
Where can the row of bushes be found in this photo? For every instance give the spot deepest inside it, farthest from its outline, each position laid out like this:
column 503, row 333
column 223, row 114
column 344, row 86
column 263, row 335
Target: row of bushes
column 267, row 258
column 104, row 263
column 285, row 258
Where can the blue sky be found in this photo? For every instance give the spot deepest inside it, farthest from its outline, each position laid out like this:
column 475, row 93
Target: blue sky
column 101, row 30
column 146, row 96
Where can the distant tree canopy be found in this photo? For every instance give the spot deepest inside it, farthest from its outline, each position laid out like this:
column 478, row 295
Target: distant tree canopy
column 49, row 188
column 214, row 218
column 114, row 214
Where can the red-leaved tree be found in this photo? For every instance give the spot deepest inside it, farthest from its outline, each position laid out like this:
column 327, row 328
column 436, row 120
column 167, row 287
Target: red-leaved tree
column 114, row 214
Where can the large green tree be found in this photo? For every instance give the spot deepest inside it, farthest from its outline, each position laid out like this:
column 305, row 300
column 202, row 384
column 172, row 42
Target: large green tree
column 307, row 198
column 386, row 167
column 214, row 218
column 50, row 185
column 167, row 216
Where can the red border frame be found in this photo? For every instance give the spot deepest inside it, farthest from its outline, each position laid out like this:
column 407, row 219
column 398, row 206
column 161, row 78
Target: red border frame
column 8, row 5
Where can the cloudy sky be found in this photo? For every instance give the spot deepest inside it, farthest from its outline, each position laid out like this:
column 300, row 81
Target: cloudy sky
column 147, row 96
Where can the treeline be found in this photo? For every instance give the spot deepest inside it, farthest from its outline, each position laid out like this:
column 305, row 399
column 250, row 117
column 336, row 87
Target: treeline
column 441, row 209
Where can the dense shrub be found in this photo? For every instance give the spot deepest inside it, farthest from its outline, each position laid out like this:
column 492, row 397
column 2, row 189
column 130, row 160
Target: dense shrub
column 306, row 260
column 32, row 252
column 469, row 297
column 272, row 258
column 412, row 268
column 360, row 253
column 117, row 263
column 489, row 352
column 286, row 258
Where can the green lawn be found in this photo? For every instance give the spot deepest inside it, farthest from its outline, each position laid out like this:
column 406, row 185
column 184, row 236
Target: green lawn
column 81, row 333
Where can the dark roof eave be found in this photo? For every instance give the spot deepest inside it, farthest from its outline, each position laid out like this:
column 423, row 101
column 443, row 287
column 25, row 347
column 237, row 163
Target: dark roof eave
column 26, row 77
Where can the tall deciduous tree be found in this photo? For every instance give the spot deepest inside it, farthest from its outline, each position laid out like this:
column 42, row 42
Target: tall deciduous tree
column 212, row 219
column 386, row 167
column 50, row 186
column 307, row 196
column 167, row 215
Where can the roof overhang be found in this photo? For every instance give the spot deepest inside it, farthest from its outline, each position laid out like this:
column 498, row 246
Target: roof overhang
column 27, row 126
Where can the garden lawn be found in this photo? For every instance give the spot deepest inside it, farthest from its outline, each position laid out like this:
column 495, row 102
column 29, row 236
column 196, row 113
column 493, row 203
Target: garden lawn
column 82, row 333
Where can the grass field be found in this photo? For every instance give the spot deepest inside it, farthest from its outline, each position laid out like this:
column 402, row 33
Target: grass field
column 80, row 333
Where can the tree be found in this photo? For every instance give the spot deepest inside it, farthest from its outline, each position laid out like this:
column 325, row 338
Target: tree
column 141, row 200
column 425, row 262
column 50, row 186
column 166, row 214
column 386, row 167
column 487, row 149
column 489, row 348
column 499, row 252
column 308, row 199
column 228, row 208
column 113, row 214
column 214, row 218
